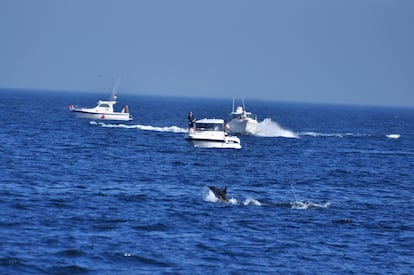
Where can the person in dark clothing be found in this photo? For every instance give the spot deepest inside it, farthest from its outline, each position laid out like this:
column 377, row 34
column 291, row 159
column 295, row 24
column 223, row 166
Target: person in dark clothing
column 191, row 120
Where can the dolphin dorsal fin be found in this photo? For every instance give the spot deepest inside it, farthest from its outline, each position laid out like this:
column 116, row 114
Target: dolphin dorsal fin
column 225, row 190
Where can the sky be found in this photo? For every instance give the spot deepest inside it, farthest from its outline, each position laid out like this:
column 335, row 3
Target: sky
column 331, row 51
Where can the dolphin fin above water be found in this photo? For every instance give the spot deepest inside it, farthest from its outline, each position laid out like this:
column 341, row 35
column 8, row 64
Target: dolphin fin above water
column 220, row 194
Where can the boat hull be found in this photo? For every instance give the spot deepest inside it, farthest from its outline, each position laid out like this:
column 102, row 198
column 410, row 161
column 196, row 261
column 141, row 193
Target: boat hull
column 212, row 139
column 103, row 116
column 205, row 143
column 209, row 133
column 242, row 126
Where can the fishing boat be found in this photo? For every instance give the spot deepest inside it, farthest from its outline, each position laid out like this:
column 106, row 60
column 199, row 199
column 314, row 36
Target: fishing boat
column 104, row 110
column 210, row 133
column 241, row 121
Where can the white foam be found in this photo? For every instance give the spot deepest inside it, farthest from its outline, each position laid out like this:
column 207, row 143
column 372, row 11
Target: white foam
column 393, row 136
column 233, row 201
column 172, row 129
column 210, row 197
column 269, row 128
column 343, row 135
column 339, row 135
column 250, row 201
column 306, row 205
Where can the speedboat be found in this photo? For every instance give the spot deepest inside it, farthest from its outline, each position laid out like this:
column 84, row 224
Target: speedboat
column 104, row 110
column 241, row 121
column 210, row 133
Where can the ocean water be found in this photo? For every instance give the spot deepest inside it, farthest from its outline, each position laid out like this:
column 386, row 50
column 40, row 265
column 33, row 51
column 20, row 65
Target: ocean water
column 318, row 189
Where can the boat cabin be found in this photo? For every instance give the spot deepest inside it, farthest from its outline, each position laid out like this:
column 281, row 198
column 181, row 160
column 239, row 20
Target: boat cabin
column 105, row 106
column 241, row 113
column 209, row 125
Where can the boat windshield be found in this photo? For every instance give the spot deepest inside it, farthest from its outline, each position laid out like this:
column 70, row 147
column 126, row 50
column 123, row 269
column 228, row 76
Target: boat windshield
column 209, row 126
column 243, row 115
column 104, row 105
column 252, row 116
column 235, row 116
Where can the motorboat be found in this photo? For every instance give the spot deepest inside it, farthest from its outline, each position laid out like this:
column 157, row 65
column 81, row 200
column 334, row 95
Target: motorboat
column 210, row 133
column 104, row 110
column 241, row 121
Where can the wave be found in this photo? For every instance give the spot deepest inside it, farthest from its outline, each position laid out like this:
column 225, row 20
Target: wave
column 269, row 128
column 172, row 129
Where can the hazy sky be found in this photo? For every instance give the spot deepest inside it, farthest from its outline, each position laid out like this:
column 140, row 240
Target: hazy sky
column 349, row 51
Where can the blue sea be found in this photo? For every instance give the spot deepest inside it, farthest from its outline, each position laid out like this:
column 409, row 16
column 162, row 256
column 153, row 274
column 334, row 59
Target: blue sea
column 319, row 189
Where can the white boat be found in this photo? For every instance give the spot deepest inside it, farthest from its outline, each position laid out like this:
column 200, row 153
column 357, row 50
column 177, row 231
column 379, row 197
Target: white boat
column 104, row 110
column 242, row 121
column 210, row 133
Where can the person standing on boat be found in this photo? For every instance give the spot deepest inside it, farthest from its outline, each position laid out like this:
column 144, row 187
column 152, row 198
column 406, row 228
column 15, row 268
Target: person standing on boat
column 191, row 120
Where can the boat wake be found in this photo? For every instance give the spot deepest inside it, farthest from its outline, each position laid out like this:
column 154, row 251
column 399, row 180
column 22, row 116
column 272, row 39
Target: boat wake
column 338, row 135
column 269, row 128
column 172, row 129
column 345, row 135
column 266, row 128
column 393, row 136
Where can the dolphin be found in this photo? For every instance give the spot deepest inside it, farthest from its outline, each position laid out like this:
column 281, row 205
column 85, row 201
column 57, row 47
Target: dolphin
column 220, row 194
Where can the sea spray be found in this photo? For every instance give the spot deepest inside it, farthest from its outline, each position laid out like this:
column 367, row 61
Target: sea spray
column 269, row 128
column 298, row 203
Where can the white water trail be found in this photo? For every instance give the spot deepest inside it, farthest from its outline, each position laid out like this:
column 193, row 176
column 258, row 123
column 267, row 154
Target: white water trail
column 269, row 128
column 346, row 135
column 172, row 129
column 338, row 135
column 393, row 136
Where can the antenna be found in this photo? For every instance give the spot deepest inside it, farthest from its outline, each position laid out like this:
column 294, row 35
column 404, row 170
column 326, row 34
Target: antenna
column 114, row 95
